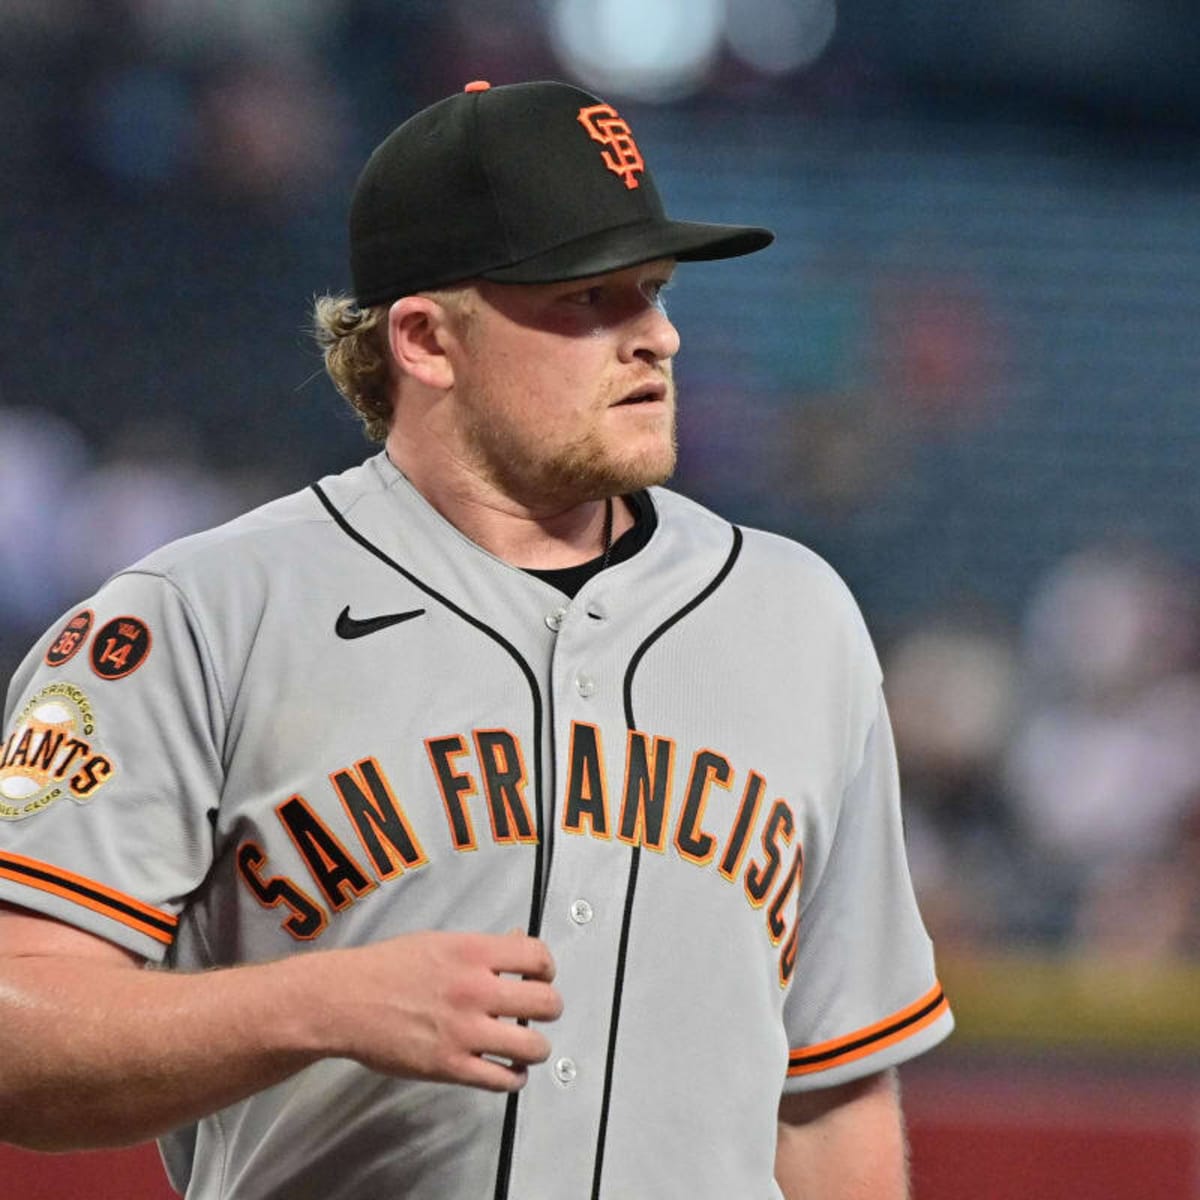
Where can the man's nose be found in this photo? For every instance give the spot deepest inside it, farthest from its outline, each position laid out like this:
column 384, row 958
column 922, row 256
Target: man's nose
column 652, row 336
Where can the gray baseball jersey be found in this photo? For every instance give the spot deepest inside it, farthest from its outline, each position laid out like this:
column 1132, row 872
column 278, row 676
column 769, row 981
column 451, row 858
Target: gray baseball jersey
column 336, row 719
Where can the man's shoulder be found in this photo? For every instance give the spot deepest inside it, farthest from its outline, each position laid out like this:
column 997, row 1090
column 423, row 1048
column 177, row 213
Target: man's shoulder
column 759, row 549
column 283, row 529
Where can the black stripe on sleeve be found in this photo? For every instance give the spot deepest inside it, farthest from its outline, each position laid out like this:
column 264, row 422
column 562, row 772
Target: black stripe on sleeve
column 126, row 913
column 799, row 1058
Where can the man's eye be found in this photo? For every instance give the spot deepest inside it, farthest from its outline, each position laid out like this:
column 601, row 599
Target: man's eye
column 654, row 292
column 586, row 298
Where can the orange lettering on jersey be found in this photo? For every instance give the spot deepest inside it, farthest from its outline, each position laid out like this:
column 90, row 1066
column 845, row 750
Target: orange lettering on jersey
column 379, row 818
column 759, row 878
column 331, row 865
column 646, row 801
column 622, row 156
column 306, row 917
column 90, row 776
column 71, row 751
column 690, row 840
column 47, row 747
column 735, row 847
column 456, row 788
column 772, row 880
column 587, row 799
column 503, row 771
column 777, row 913
column 18, row 755
column 787, row 956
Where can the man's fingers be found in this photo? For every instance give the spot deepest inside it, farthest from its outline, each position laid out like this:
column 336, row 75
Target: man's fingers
column 519, row 954
column 500, row 1055
column 515, row 1044
column 492, row 1075
column 527, row 1000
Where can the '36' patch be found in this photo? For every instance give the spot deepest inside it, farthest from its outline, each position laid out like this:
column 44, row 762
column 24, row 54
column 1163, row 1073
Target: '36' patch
column 69, row 638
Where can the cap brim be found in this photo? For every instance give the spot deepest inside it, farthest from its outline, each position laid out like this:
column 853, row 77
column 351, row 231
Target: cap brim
column 628, row 245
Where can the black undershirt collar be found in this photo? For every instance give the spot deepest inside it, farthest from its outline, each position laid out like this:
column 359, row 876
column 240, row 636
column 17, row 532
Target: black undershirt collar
column 569, row 580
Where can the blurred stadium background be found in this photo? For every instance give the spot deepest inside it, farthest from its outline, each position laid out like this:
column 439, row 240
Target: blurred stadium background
column 966, row 374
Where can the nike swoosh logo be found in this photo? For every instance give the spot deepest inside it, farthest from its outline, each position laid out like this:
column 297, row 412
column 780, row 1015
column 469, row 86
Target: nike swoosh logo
column 349, row 627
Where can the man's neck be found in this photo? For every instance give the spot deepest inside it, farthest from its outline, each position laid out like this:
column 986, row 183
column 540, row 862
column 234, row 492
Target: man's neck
column 526, row 537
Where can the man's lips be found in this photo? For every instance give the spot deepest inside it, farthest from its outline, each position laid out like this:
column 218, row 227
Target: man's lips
column 646, row 393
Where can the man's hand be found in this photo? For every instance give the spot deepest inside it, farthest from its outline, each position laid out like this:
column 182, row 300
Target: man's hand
column 445, row 1006
column 79, row 1017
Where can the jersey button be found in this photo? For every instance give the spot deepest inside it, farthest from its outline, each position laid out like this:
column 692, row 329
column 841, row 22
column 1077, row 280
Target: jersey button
column 565, row 1070
column 581, row 912
column 554, row 619
column 585, row 685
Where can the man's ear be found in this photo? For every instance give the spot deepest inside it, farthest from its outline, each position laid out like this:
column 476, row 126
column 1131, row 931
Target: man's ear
column 418, row 334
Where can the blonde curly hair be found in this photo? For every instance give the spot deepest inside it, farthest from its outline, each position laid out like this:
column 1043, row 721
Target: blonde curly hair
column 353, row 342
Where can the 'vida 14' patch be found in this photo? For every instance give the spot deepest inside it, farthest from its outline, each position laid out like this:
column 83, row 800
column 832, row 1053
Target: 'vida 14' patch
column 120, row 647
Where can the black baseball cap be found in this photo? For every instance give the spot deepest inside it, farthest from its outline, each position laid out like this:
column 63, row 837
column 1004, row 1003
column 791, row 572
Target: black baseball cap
column 525, row 183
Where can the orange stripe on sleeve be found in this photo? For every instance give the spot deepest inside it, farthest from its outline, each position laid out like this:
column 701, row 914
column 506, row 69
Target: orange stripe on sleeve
column 896, row 1028
column 104, row 900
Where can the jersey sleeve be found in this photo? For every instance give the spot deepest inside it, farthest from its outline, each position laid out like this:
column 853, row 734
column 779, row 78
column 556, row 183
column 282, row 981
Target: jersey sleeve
column 110, row 767
column 865, row 995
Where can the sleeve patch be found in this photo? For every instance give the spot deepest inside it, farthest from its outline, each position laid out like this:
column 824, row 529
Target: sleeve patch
column 120, row 647
column 51, row 752
column 106, row 901
column 873, row 1038
column 68, row 639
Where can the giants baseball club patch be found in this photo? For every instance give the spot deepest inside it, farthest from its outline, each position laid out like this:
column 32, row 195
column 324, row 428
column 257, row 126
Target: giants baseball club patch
column 120, row 647
column 51, row 753
column 70, row 638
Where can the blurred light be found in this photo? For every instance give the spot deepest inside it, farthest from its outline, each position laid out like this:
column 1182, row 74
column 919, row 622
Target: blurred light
column 779, row 36
column 648, row 51
column 269, row 131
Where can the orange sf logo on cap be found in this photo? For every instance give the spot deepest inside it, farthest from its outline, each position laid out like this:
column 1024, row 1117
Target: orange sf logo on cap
column 622, row 157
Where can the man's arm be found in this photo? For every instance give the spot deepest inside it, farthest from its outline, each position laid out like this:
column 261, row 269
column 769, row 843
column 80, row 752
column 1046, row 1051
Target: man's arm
column 96, row 1051
column 843, row 1143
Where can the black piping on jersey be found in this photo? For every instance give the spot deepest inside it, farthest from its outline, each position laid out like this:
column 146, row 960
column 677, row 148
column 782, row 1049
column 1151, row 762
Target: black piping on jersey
column 635, row 856
column 504, row 1166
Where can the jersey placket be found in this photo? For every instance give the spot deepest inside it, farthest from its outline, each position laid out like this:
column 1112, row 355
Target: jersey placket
column 561, row 1107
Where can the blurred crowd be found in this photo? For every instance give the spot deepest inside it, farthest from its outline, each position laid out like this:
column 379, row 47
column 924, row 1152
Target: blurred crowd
column 71, row 517
column 1051, row 771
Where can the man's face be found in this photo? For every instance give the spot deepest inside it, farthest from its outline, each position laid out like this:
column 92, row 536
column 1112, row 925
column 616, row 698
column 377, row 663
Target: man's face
column 563, row 392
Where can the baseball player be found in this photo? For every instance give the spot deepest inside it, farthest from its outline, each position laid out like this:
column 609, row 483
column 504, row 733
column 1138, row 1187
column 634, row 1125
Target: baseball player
column 502, row 824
